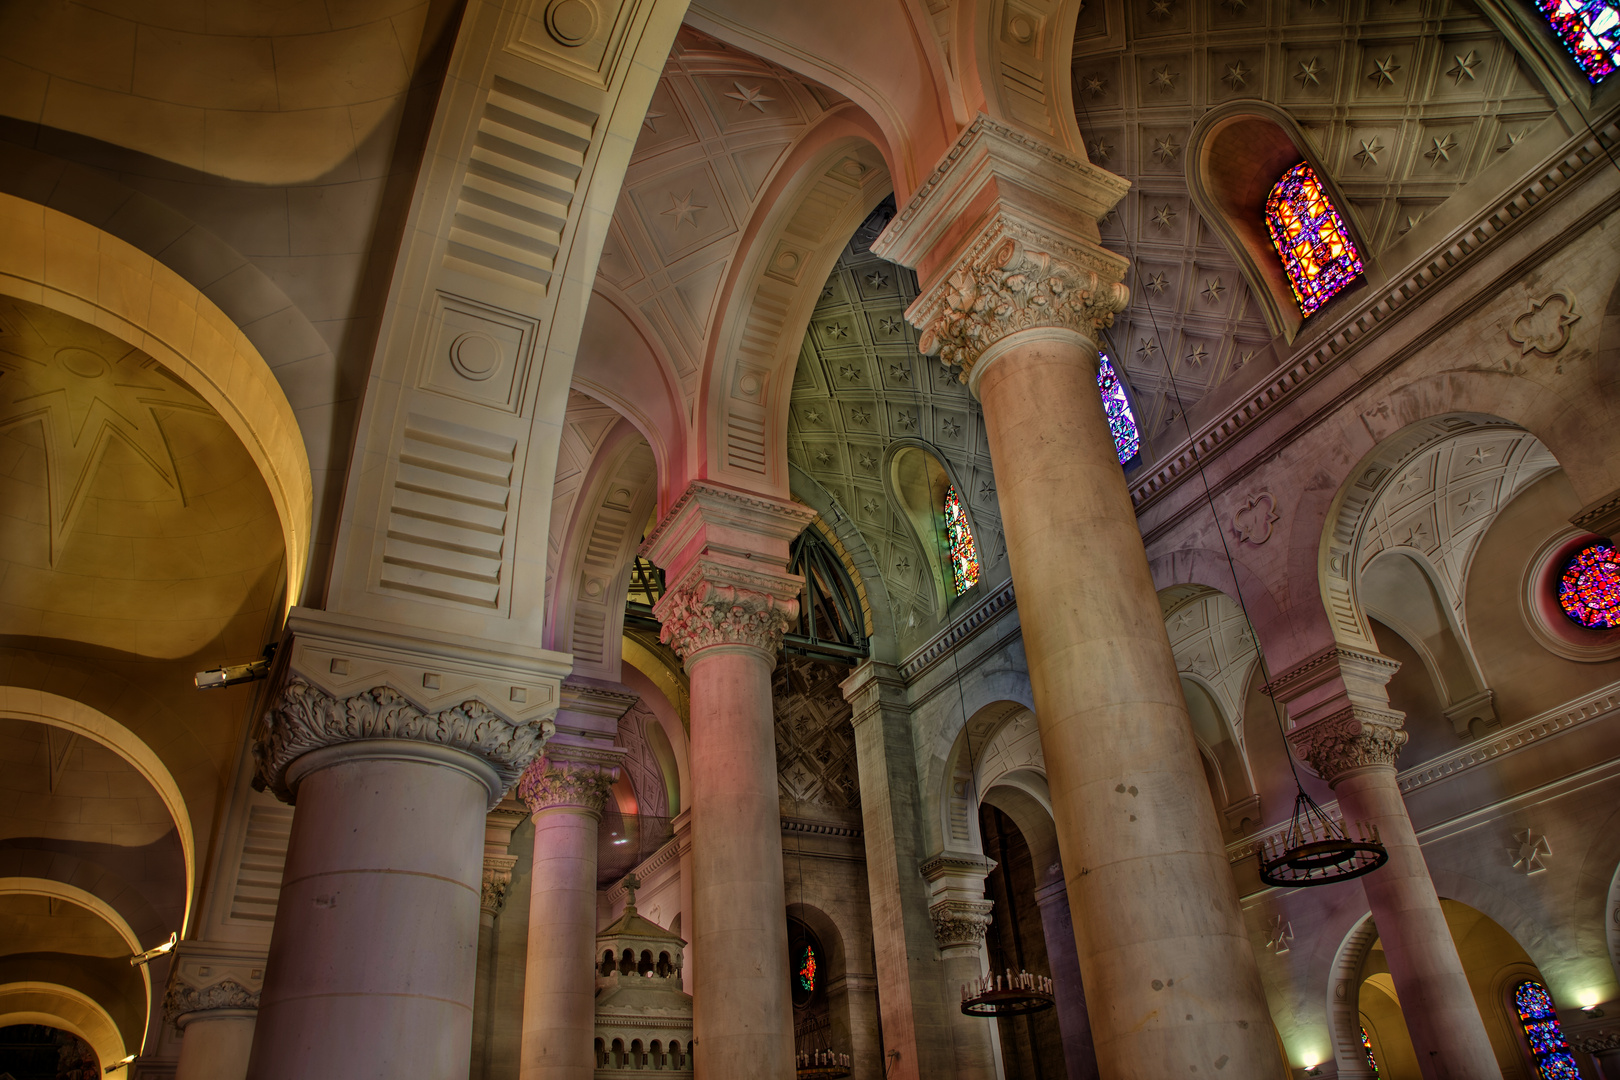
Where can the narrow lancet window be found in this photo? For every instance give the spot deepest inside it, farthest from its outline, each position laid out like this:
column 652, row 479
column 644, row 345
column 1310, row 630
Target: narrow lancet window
column 1311, row 240
column 1121, row 421
column 1544, row 1033
column 1590, row 30
column 964, row 552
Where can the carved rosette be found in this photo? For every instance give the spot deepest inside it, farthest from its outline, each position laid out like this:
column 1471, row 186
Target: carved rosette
column 960, row 922
column 581, row 782
column 1014, row 279
column 497, row 879
column 722, row 605
column 183, row 1000
column 304, row 718
column 1352, row 739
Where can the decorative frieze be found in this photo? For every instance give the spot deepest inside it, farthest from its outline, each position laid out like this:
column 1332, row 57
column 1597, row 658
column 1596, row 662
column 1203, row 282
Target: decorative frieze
column 1352, row 739
column 578, row 777
column 960, row 922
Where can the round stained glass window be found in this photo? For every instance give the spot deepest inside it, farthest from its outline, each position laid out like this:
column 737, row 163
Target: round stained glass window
column 1589, row 590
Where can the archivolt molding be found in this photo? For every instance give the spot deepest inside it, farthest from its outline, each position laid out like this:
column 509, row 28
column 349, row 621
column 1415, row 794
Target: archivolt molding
column 60, row 1006
column 1344, row 1000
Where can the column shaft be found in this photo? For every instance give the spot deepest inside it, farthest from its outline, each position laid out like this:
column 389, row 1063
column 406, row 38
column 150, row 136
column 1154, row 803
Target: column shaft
column 372, row 960
column 975, row 1041
column 1079, row 1056
column 742, row 1019
column 1159, row 930
column 559, row 986
column 215, row 1047
column 1441, row 1016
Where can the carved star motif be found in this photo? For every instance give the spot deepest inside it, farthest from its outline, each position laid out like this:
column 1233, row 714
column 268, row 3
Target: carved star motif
column 1370, row 149
column 1184, row 620
column 1530, row 852
column 1159, row 9
column 1164, row 217
column 650, row 121
column 1513, row 139
column 877, row 279
column 905, row 421
column 1410, row 223
column 1165, row 79
column 1463, row 68
column 1212, row 290
column 1198, row 355
column 949, row 428
column 812, row 416
column 1158, row 283
column 1101, row 151
column 1243, row 358
column 1482, row 455
column 850, row 372
column 948, row 376
column 683, row 210
column 827, row 291
column 902, row 564
column 1166, row 149
column 1094, row 85
column 890, row 324
column 748, row 95
column 1237, row 75
column 870, row 505
column 1383, row 72
column 1440, row 149
column 986, row 489
column 1148, row 349
column 858, row 415
column 823, row 457
column 1416, row 536
column 1310, row 72
column 1171, row 417
column 900, row 372
column 1412, row 478
column 1280, row 934
column 866, row 460
column 837, row 331
column 1475, row 500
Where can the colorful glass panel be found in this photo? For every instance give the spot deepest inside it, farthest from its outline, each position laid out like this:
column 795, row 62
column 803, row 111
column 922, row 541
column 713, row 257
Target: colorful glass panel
column 1544, row 1033
column 1590, row 30
column 1127, row 440
column 1311, row 240
column 1589, row 591
column 964, row 552
column 1366, row 1046
column 807, row 968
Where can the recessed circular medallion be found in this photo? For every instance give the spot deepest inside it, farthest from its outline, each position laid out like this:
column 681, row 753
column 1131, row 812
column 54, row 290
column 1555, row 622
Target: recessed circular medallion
column 571, row 22
column 83, row 363
column 475, row 355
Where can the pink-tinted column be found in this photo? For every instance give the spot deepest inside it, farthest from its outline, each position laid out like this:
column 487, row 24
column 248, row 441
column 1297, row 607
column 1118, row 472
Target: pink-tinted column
column 726, row 609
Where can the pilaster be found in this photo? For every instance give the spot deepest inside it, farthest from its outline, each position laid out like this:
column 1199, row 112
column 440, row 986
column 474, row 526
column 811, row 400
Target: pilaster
column 960, row 913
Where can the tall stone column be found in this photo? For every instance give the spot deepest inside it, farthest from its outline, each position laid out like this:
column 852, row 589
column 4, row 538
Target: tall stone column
column 393, row 750
column 498, row 866
column 961, row 916
column 565, row 791
column 683, row 841
column 1074, row 1025
column 728, row 604
column 213, row 999
column 915, row 1005
column 1015, row 289
column 1354, row 748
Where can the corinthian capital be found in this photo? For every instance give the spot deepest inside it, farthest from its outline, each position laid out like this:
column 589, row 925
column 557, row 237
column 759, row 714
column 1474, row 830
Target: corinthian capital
column 497, row 879
column 960, row 922
column 719, row 604
column 576, row 777
column 1353, row 738
column 1014, row 278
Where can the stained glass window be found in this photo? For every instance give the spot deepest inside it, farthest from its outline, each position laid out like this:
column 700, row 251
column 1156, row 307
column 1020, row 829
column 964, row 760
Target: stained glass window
column 1120, row 420
column 959, row 537
column 1589, row 591
column 1544, row 1033
column 806, row 973
column 1590, row 30
column 1366, row 1046
column 1310, row 237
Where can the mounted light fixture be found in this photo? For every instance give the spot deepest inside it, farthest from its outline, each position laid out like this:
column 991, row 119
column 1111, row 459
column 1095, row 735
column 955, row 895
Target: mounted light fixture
column 236, row 674
column 1316, row 850
column 124, row 1062
column 153, row 953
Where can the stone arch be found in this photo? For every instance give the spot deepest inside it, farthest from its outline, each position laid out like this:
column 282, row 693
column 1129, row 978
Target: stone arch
column 915, row 478
column 835, row 178
column 1343, row 993
column 1031, row 811
column 1019, row 63
column 63, row 1007
column 43, row 707
column 863, row 569
column 954, row 790
column 58, row 261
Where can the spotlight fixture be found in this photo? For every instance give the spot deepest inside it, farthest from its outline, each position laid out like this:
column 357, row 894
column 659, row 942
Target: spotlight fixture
column 1592, row 1011
column 236, row 674
column 153, row 953
column 121, row 1063
column 1007, row 995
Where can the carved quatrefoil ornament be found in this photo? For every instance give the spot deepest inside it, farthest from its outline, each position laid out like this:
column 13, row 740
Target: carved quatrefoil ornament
column 1545, row 327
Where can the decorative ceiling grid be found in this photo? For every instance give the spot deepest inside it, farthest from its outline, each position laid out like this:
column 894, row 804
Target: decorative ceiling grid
column 815, row 740
column 719, row 124
column 1404, row 101
column 861, row 384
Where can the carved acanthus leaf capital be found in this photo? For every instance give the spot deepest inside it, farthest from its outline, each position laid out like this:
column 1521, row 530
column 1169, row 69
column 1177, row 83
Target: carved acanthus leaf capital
column 960, row 922
column 303, row 717
column 497, row 879
column 718, row 604
column 1351, row 739
column 184, row 999
column 1015, row 279
column 574, row 776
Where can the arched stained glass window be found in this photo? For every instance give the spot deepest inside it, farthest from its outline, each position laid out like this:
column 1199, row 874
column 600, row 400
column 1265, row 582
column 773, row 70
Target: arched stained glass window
column 964, row 553
column 1366, row 1046
column 1544, row 1033
column 805, row 974
column 1311, row 240
column 1590, row 30
column 1121, row 422
column 1589, row 590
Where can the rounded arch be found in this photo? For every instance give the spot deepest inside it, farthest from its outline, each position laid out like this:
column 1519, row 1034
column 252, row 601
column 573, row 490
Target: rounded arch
column 1032, row 813
column 63, row 1007
column 882, row 639
column 58, row 261
column 916, row 477
column 43, row 707
column 1343, row 994
column 953, row 791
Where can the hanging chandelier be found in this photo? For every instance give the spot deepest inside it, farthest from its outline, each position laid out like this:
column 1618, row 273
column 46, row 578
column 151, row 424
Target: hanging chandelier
column 1007, row 995
column 822, row 1065
column 1316, row 850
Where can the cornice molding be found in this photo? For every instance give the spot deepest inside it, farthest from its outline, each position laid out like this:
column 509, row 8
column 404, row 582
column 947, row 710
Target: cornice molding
column 940, row 645
column 1587, row 154
column 1324, row 666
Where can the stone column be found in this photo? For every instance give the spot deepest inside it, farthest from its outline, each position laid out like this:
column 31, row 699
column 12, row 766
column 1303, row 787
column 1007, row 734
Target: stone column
column 683, row 841
column 498, row 865
column 1015, row 289
column 728, row 604
column 916, row 1007
column 393, row 750
column 1354, row 750
column 1079, row 1056
column 213, row 999
column 961, row 915
column 565, row 791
